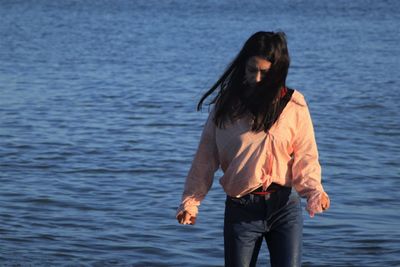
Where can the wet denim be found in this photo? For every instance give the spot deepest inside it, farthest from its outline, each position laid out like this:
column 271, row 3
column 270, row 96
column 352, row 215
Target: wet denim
column 250, row 219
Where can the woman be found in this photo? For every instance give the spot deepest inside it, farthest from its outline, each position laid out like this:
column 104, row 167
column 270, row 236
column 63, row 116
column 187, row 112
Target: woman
column 261, row 135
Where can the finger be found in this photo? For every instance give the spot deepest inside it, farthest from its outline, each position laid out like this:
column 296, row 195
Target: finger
column 181, row 217
column 325, row 202
column 311, row 214
column 187, row 218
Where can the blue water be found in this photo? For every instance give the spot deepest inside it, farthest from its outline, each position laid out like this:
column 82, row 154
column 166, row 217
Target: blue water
column 98, row 126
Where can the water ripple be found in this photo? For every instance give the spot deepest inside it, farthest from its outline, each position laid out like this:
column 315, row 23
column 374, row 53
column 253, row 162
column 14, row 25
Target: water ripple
column 98, row 127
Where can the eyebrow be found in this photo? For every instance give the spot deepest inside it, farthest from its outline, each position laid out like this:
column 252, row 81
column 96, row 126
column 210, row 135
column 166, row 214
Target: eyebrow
column 255, row 68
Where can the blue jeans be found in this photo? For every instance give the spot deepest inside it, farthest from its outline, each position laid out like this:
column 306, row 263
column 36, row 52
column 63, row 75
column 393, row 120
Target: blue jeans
column 252, row 218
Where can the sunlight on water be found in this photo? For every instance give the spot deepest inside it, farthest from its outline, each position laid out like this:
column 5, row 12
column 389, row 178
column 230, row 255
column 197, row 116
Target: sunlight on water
column 98, row 127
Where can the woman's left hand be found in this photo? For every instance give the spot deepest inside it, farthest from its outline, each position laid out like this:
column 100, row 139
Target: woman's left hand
column 318, row 203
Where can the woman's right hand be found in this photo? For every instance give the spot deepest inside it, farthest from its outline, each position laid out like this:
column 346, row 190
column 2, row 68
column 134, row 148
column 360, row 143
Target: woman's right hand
column 185, row 218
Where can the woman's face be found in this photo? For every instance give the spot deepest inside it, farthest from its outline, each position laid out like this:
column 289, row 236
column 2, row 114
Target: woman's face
column 256, row 69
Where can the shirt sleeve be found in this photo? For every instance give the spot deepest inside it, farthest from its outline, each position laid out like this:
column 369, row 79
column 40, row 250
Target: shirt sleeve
column 201, row 174
column 306, row 169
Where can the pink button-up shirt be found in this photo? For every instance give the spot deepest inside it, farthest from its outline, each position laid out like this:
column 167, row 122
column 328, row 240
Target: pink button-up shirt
column 286, row 155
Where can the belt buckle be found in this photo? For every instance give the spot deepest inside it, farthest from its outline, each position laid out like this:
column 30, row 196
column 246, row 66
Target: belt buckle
column 268, row 194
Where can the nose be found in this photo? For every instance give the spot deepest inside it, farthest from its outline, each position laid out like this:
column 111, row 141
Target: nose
column 258, row 76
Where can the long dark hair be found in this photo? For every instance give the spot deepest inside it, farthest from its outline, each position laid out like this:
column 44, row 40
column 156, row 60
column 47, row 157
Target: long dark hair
column 231, row 101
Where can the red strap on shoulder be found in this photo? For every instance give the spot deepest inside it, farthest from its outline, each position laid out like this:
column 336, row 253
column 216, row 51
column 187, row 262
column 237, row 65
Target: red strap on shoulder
column 283, row 92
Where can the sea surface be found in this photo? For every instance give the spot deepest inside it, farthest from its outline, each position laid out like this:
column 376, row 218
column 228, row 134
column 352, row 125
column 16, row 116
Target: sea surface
column 98, row 126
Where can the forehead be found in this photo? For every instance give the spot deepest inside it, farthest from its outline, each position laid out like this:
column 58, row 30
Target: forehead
column 258, row 62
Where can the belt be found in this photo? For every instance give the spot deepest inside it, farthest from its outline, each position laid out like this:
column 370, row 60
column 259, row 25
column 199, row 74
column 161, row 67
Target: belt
column 262, row 193
column 271, row 189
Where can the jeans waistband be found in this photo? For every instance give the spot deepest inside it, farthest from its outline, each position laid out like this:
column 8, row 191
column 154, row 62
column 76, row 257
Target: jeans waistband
column 271, row 189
